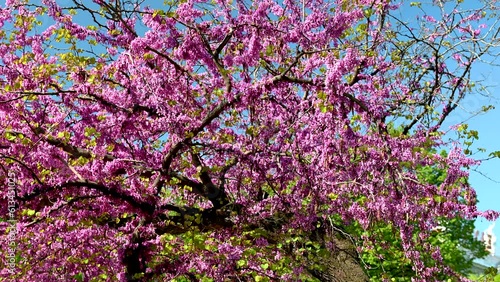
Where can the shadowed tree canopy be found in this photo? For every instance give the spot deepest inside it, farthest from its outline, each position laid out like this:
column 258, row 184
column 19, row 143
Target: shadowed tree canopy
column 220, row 140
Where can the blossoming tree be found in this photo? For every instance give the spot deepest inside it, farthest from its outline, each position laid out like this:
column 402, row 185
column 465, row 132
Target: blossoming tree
column 228, row 140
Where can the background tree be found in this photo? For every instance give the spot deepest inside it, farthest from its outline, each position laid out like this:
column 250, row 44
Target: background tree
column 229, row 140
column 454, row 237
column 490, row 275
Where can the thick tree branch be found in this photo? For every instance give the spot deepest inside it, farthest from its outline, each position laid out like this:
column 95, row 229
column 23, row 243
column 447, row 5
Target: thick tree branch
column 73, row 150
column 107, row 191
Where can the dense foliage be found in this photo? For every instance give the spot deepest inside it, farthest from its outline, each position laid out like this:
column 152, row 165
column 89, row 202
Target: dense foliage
column 453, row 236
column 228, row 140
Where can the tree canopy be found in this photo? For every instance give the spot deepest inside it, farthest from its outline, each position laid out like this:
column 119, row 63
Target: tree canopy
column 230, row 140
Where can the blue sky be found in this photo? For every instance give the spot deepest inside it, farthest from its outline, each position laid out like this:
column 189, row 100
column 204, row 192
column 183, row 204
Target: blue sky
column 486, row 177
column 486, row 181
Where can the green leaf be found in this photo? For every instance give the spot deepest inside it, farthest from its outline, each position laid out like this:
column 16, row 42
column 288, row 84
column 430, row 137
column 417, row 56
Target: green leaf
column 495, row 154
column 259, row 278
column 241, row 263
column 10, row 136
column 79, row 277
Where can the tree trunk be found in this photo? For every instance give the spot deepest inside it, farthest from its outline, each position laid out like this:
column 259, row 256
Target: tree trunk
column 342, row 264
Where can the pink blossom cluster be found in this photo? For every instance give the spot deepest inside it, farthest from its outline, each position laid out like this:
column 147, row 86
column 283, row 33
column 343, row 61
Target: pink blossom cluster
column 169, row 146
